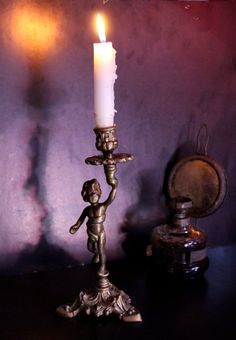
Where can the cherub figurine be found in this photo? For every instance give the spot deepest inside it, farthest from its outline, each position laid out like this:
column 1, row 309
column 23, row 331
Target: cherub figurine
column 96, row 214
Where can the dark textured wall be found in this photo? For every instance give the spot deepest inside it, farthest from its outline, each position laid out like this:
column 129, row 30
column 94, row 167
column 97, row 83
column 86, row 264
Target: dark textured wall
column 176, row 70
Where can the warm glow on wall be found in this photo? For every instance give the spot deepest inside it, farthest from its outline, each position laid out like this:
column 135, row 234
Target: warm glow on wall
column 34, row 28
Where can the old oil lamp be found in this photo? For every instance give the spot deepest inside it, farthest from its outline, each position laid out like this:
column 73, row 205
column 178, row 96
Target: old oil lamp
column 196, row 188
column 179, row 247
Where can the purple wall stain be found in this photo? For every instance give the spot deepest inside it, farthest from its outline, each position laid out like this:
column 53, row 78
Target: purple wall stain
column 176, row 70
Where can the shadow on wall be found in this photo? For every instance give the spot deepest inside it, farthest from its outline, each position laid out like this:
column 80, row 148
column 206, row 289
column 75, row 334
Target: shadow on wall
column 151, row 209
column 44, row 255
column 141, row 218
column 38, row 92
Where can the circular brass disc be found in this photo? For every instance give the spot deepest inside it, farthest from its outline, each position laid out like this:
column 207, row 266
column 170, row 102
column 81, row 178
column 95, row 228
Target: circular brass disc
column 201, row 179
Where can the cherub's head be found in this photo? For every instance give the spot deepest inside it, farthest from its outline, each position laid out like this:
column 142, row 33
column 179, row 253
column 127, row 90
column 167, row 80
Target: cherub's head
column 91, row 191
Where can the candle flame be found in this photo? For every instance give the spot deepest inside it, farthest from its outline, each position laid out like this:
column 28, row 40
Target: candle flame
column 101, row 28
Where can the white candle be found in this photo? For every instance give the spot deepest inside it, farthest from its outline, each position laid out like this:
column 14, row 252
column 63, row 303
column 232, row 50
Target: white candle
column 104, row 79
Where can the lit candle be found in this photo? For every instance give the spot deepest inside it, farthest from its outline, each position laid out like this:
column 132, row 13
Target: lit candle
column 104, row 79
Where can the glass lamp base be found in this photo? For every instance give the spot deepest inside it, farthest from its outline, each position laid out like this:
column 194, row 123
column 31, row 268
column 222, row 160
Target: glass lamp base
column 182, row 255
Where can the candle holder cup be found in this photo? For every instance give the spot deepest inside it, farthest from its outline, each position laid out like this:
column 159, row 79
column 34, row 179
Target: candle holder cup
column 104, row 298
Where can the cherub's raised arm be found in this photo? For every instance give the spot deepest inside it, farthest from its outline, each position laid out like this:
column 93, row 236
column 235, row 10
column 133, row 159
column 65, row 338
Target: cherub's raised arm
column 110, row 171
column 80, row 221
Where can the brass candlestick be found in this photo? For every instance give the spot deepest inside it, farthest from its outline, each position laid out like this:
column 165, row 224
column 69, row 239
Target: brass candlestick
column 104, row 298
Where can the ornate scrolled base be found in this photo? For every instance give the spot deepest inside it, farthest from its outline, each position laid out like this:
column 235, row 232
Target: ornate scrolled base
column 102, row 301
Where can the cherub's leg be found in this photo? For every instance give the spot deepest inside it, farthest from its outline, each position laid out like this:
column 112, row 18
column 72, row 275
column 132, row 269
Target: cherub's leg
column 93, row 248
column 101, row 252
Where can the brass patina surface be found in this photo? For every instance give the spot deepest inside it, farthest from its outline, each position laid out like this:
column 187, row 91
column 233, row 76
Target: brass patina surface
column 117, row 158
column 200, row 178
column 104, row 298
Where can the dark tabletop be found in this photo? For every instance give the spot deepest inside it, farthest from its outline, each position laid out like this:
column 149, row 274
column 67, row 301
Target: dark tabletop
column 202, row 309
